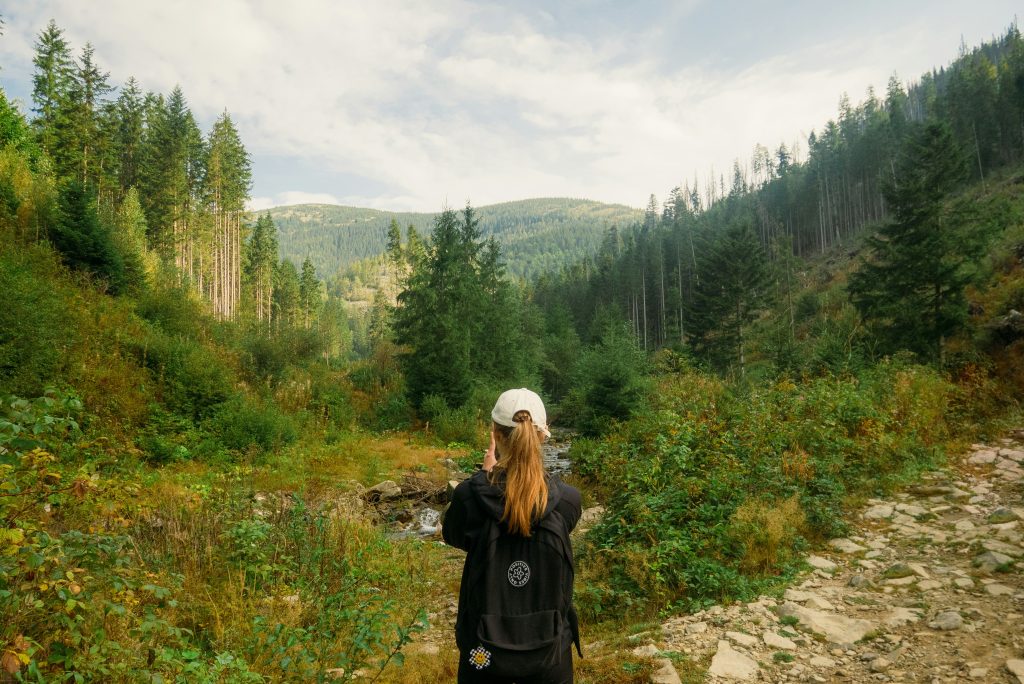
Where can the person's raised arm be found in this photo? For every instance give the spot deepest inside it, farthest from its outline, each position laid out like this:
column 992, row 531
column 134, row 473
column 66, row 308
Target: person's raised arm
column 489, row 458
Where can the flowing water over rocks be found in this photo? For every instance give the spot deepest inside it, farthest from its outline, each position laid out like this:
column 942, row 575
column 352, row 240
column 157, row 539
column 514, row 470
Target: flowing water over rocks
column 927, row 588
column 417, row 512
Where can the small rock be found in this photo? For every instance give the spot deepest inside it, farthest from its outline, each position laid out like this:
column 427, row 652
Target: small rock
column 821, row 661
column 928, row 585
column 741, row 639
column 646, row 651
column 947, row 621
column 819, row 603
column 898, row 571
column 844, row 545
column 964, row 525
column 919, row 570
column 797, row 595
column 1016, row 667
column 591, row 515
column 990, row 560
column 977, row 672
column 778, row 642
column 911, row 510
column 901, row 616
column 1016, row 455
column 696, row 628
column 984, row 457
column 880, row 664
column 998, row 590
column 731, row 664
column 1001, row 515
column 858, row 581
column 901, row 581
column 879, row 512
column 964, row 582
column 666, row 673
column 819, row 563
column 1001, row 547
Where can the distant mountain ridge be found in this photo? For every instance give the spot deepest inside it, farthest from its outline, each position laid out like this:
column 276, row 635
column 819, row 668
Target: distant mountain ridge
column 536, row 235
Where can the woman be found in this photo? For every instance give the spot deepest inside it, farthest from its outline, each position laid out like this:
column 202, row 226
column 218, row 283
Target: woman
column 516, row 623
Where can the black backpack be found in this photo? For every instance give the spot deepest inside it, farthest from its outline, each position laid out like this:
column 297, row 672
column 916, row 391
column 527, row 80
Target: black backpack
column 521, row 594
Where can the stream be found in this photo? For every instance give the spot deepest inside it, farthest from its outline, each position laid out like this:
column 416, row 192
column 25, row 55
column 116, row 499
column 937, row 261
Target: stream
column 423, row 520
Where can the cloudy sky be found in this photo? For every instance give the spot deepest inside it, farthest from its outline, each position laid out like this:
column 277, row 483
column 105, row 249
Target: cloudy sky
column 414, row 105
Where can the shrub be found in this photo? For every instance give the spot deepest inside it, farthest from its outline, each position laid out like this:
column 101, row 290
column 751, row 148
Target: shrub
column 448, row 424
column 193, row 380
column 609, row 383
column 174, row 310
column 712, row 488
column 36, row 322
column 767, row 532
column 242, row 425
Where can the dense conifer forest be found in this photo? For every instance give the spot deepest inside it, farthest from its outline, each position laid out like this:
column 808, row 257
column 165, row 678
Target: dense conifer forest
column 536, row 236
column 189, row 422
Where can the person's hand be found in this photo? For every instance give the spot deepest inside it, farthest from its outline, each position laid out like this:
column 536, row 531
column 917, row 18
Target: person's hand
column 489, row 457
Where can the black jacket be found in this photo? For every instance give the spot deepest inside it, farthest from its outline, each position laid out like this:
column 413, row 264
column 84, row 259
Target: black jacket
column 463, row 524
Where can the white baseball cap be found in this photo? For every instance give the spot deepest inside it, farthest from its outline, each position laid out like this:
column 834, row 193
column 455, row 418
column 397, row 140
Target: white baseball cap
column 515, row 400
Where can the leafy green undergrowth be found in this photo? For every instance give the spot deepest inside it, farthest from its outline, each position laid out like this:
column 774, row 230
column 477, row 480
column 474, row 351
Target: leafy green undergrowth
column 103, row 580
column 714, row 491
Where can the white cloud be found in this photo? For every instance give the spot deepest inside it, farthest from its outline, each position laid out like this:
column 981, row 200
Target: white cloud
column 449, row 100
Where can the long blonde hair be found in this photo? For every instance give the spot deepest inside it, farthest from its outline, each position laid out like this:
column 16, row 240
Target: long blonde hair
column 521, row 460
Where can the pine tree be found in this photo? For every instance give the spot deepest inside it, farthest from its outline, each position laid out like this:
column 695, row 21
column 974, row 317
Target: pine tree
column 286, row 295
column 436, row 315
column 911, row 287
column 129, row 237
column 129, row 115
column 82, row 240
column 51, row 85
column 228, row 177
column 734, row 286
column 89, row 86
column 310, row 292
column 260, row 261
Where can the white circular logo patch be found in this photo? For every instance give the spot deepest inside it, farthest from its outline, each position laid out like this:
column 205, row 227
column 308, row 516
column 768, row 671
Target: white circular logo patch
column 518, row 574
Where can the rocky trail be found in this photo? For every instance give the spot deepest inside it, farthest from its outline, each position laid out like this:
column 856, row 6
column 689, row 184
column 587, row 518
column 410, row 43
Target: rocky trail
column 927, row 588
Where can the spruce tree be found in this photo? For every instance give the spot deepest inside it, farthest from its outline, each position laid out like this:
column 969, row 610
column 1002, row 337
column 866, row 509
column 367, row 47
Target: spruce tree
column 82, row 240
column 436, row 316
column 910, row 288
column 310, row 290
column 51, row 85
column 734, row 286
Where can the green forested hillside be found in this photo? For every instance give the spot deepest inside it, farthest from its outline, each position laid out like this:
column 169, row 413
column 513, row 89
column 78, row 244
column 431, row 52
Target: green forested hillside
column 536, row 235
column 186, row 432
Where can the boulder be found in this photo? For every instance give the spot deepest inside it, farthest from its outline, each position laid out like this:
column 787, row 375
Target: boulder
column 388, row 489
column 838, row 629
column 1016, row 667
